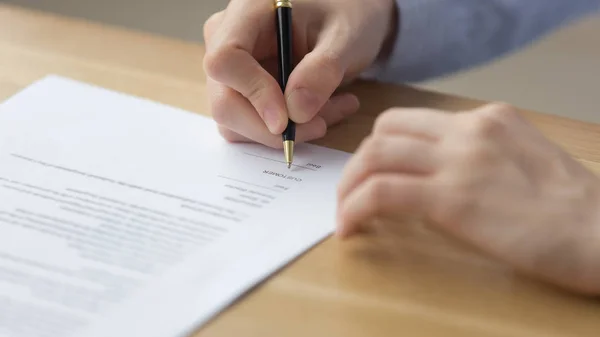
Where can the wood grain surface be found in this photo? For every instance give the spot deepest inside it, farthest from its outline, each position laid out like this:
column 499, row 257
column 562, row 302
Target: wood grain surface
column 409, row 282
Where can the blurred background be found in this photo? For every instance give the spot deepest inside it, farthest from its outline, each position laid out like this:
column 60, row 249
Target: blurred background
column 558, row 75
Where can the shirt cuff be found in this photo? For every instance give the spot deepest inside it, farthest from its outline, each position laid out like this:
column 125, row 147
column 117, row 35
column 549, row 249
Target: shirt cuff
column 420, row 38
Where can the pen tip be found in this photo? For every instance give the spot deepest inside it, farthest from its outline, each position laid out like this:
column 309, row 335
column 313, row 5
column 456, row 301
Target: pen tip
column 289, row 165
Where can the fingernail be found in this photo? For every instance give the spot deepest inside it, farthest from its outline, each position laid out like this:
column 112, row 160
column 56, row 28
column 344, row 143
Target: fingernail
column 271, row 117
column 302, row 104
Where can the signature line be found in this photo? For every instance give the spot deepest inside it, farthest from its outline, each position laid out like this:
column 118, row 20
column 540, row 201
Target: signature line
column 279, row 161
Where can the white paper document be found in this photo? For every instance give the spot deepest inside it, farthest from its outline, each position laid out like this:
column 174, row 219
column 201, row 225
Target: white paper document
column 124, row 217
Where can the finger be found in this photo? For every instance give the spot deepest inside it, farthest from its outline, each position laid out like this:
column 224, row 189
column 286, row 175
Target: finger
column 498, row 118
column 233, row 112
column 335, row 111
column 382, row 195
column 382, row 155
column 339, row 108
column 229, row 60
column 318, row 74
column 238, row 70
column 425, row 123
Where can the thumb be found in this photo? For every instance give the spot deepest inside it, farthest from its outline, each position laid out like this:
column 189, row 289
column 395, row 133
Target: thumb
column 318, row 75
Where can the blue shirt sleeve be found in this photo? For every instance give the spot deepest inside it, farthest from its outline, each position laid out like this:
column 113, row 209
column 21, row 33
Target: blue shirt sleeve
column 438, row 37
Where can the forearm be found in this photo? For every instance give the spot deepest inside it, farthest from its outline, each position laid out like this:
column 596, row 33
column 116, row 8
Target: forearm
column 438, row 37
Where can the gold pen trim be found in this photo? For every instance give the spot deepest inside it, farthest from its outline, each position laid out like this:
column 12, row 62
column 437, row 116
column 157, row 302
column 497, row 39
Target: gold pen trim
column 283, row 3
column 288, row 150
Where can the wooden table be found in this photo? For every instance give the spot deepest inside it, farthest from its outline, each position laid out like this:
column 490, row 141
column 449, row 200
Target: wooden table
column 415, row 284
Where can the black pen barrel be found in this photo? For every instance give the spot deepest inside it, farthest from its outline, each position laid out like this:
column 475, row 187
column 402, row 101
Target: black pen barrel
column 284, row 38
column 285, row 50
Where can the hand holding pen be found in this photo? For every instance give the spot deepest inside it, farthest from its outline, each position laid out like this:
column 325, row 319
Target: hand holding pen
column 332, row 41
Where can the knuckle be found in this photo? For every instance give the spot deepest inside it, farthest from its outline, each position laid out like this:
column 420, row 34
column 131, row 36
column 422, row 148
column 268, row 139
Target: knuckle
column 215, row 62
column 494, row 119
column 211, row 25
column 332, row 65
column 487, row 125
column 370, row 152
column 502, row 110
column 384, row 119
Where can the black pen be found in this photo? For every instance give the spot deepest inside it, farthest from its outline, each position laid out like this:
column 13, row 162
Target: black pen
column 283, row 10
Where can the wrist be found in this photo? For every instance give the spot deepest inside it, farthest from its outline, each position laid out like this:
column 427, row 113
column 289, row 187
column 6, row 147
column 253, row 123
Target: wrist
column 389, row 11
